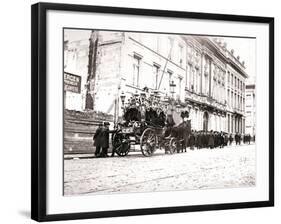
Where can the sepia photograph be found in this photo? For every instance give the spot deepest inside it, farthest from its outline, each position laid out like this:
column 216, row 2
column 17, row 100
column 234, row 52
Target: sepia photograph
column 148, row 112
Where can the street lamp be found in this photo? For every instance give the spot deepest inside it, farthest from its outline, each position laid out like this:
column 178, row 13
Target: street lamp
column 123, row 96
column 136, row 94
column 172, row 91
column 142, row 97
column 172, row 88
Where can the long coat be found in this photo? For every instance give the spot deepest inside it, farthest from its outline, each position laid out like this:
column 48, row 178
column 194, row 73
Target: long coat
column 182, row 131
column 186, row 130
column 105, row 138
column 97, row 137
column 211, row 141
column 191, row 140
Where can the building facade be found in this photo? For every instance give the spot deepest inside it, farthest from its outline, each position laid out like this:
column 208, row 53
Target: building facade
column 250, row 109
column 76, row 63
column 207, row 79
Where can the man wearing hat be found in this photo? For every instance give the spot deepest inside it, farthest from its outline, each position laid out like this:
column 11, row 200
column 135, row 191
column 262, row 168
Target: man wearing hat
column 186, row 123
column 105, row 139
column 97, row 139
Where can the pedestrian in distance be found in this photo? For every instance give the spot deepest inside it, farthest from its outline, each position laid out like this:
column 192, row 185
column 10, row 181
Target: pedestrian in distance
column 225, row 139
column 196, row 138
column 239, row 139
column 192, row 140
column 200, row 140
column 236, row 138
column 211, row 142
column 230, row 139
column 221, row 137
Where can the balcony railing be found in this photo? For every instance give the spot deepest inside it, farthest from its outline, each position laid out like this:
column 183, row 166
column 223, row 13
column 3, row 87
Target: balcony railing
column 204, row 99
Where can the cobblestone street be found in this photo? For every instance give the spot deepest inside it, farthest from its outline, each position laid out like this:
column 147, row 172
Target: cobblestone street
column 198, row 169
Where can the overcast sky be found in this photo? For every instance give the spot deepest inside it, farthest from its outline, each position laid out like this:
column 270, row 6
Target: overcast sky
column 244, row 47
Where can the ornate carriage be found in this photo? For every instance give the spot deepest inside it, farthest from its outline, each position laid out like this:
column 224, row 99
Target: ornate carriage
column 145, row 124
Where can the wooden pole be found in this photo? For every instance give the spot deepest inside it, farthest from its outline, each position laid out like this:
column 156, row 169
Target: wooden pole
column 169, row 55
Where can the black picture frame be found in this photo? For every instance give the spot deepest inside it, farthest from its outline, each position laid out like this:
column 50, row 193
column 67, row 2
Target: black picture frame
column 39, row 108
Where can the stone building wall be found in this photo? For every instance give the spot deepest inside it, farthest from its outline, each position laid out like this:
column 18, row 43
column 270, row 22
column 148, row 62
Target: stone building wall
column 250, row 110
column 76, row 62
column 201, row 69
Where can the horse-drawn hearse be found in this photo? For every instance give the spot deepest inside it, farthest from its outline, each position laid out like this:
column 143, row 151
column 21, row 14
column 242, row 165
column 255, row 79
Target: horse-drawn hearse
column 147, row 124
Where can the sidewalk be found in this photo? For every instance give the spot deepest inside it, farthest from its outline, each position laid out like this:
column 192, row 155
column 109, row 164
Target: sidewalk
column 92, row 155
column 79, row 156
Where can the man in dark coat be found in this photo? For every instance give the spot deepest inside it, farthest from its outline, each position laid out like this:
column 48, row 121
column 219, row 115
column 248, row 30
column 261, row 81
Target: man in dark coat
column 225, row 139
column 132, row 114
column 200, row 140
column 196, row 139
column 169, row 124
column 230, row 139
column 192, row 140
column 161, row 119
column 239, row 139
column 105, row 139
column 249, row 139
column 206, row 139
column 186, row 129
column 215, row 134
column 221, row 136
column 211, row 142
column 97, row 140
column 236, row 138
column 151, row 116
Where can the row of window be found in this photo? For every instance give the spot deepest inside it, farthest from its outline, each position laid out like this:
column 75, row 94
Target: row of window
column 167, row 46
column 235, row 82
column 235, row 100
column 157, row 76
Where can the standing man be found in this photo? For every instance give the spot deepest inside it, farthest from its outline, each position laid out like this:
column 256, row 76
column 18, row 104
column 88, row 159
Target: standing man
column 236, row 138
column 230, row 139
column 211, row 141
column 239, row 139
column 249, row 139
column 225, row 139
column 97, row 140
column 192, row 140
column 184, row 129
column 221, row 141
column 105, row 139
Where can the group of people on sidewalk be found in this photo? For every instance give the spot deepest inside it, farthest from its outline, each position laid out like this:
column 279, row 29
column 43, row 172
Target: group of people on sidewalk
column 101, row 139
column 213, row 139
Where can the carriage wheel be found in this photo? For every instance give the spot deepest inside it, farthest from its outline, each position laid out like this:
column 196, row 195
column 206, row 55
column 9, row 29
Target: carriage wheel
column 173, row 145
column 121, row 144
column 148, row 142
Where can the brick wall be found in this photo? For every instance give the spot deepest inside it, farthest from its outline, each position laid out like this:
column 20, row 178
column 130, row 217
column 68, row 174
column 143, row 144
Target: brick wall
column 79, row 128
